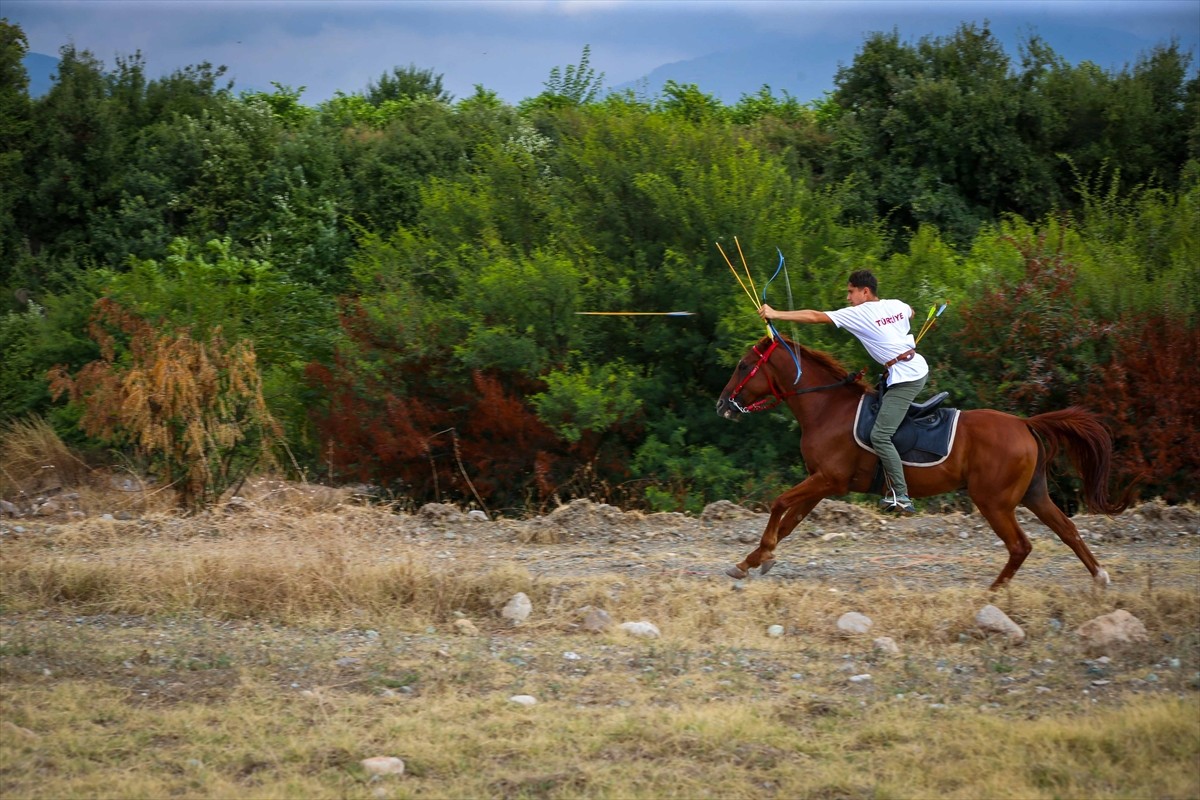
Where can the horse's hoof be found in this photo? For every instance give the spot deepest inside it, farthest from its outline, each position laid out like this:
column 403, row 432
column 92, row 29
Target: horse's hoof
column 1101, row 578
column 734, row 572
column 766, row 566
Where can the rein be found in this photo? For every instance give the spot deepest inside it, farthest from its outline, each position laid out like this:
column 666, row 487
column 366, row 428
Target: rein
column 778, row 395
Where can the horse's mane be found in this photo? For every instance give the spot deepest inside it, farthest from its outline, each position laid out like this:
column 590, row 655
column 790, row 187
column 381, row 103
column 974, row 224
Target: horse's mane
column 821, row 358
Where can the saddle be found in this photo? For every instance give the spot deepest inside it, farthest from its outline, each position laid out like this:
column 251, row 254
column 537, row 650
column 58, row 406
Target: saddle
column 924, row 438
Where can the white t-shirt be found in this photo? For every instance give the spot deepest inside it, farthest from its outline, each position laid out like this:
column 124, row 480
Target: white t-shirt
column 883, row 328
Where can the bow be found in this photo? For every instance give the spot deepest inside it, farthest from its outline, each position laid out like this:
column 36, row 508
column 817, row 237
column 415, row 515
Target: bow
column 774, row 332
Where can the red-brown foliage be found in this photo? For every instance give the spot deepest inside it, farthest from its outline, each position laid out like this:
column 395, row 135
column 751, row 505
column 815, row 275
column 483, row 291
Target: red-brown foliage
column 1149, row 391
column 421, row 424
column 1028, row 343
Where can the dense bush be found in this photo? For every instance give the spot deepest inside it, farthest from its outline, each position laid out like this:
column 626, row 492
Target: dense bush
column 407, row 269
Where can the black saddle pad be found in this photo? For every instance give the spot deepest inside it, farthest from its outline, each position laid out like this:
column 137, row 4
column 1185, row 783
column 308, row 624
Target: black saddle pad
column 925, row 437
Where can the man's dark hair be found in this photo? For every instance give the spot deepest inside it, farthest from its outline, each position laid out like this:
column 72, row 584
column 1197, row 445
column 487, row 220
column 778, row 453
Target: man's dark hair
column 864, row 278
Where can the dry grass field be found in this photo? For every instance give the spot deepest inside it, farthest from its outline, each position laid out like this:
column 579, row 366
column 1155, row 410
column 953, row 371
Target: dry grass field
column 265, row 650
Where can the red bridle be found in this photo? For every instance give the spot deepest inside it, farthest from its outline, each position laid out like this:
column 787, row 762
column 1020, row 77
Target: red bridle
column 763, row 403
column 779, row 395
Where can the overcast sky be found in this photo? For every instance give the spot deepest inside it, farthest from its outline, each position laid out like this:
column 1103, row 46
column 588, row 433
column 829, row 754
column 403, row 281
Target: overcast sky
column 510, row 46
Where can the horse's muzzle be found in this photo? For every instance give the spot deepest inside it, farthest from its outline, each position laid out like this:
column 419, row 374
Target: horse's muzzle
column 728, row 409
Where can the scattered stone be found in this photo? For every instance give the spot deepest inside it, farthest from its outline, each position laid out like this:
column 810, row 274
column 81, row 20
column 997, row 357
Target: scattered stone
column 775, row 631
column 466, row 627
column 48, row 508
column 829, row 537
column 647, row 630
column 595, row 620
column 518, row 608
column 992, row 620
column 475, row 515
column 238, row 505
column 383, row 765
column 864, row 678
column 8, row 509
column 853, row 623
column 1112, row 630
column 523, row 700
column 439, row 513
column 723, row 511
column 887, row 645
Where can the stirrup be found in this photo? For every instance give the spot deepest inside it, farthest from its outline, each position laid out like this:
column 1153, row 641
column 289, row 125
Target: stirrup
column 897, row 505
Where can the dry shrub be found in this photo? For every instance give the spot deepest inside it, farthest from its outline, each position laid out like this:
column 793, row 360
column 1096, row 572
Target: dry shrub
column 34, row 459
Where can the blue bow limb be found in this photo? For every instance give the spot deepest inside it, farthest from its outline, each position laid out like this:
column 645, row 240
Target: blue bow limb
column 771, row 327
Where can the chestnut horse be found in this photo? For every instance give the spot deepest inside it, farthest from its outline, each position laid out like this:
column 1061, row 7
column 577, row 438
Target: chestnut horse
column 1000, row 459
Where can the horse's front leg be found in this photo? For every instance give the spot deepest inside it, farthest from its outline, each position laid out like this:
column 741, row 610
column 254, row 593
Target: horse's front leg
column 786, row 513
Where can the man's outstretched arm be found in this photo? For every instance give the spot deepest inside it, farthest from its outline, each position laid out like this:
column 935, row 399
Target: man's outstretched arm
column 806, row 315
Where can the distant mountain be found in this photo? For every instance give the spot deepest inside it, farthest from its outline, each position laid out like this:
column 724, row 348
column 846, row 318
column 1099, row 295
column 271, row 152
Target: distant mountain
column 40, row 68
column 806, row 68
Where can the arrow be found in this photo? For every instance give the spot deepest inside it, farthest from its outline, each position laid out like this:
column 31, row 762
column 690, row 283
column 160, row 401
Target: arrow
column 930, row 321
column 636, row 313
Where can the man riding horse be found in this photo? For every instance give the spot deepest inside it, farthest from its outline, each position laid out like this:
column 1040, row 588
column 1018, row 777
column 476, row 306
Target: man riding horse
column 883, row 328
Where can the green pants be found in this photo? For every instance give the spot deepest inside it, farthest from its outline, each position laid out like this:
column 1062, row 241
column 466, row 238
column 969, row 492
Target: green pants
column 896, row 401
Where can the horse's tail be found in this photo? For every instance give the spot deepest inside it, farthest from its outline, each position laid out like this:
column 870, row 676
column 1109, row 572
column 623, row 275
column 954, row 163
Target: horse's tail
column 1089, row 445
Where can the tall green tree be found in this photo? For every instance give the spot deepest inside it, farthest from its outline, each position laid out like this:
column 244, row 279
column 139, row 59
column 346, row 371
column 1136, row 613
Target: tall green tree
column 74, row 158
column 15, row 125
column 934, row 133
column 406, row 83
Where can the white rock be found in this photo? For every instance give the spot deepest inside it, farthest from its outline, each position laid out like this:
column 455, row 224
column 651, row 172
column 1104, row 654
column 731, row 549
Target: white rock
column 645, row 629
column 865, row 677
column 887, row 645
column 775, row 631
column 1109, row 630
column 523, row 700
column 595, row 619
column 477, row 515
column 853, row 622
column 383, row 765
column 993, row 620
column 518, row 608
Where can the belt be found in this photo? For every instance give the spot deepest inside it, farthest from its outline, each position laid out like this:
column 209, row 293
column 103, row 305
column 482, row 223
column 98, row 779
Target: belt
column 905, row 356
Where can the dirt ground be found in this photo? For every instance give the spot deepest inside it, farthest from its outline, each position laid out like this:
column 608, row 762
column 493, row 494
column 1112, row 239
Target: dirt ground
column 346, row 669
column 838, row 543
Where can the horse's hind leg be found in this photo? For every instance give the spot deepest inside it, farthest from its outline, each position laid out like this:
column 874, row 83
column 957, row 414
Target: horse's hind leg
column 1004, row 523
column 1037, row 499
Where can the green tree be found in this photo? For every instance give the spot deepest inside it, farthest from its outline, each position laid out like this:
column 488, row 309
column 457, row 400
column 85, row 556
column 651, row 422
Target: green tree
column 73, row 160
column 406, row 83
column 15, row 126
column 573, row 85
column 688, row 102
column 933, row 133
